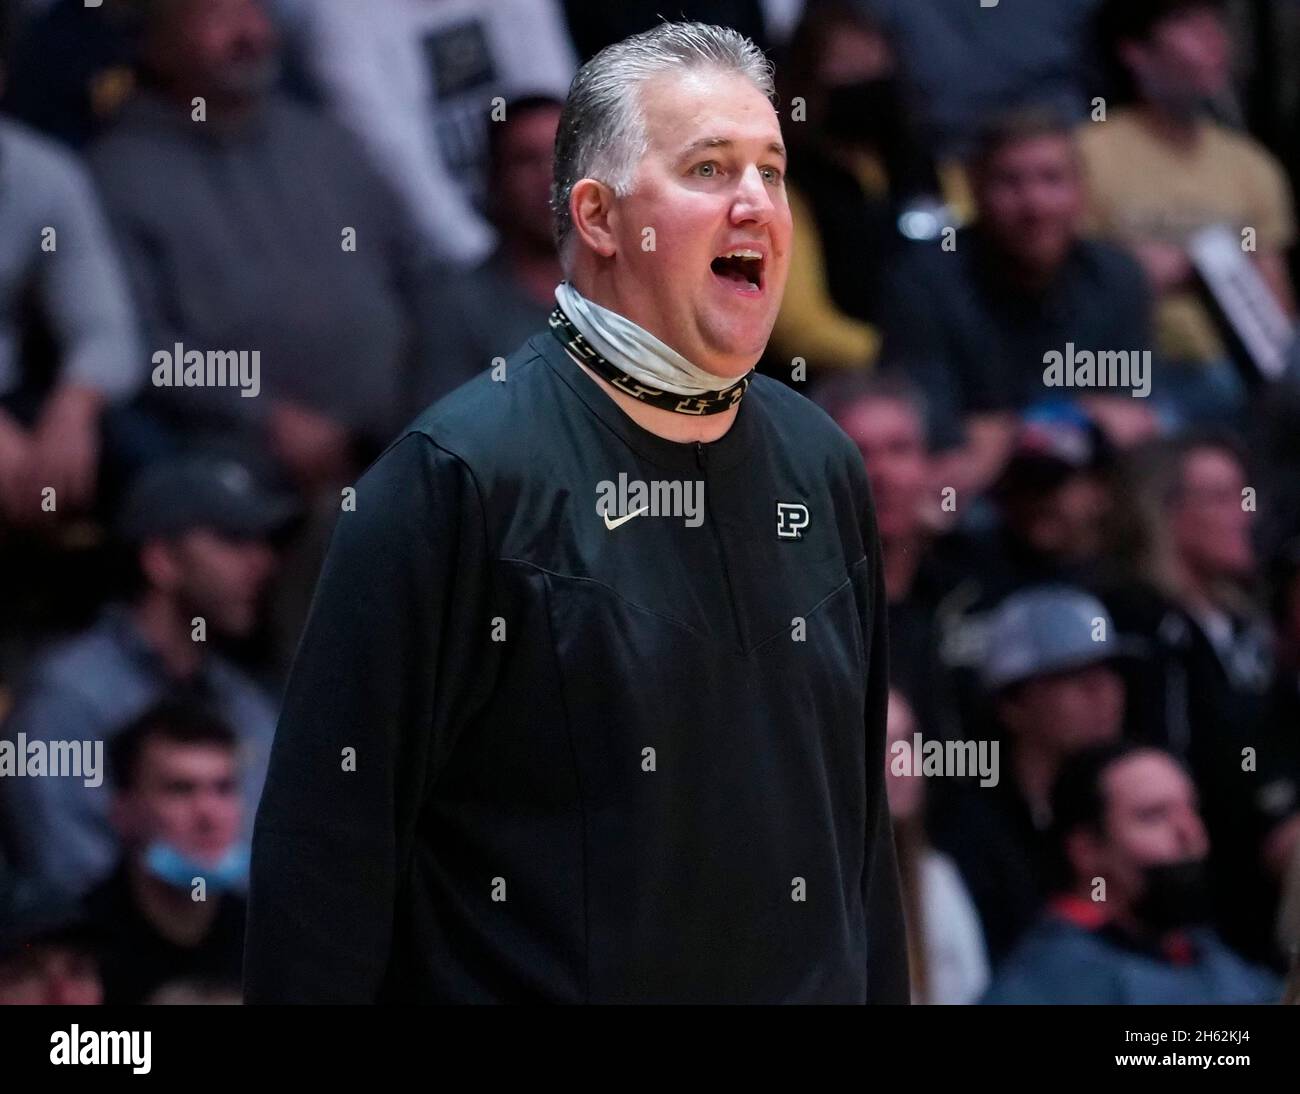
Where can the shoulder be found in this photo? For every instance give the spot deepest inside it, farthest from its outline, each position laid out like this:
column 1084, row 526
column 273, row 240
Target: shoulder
column 1056, row 962
column 36, row 165
column 803, row 430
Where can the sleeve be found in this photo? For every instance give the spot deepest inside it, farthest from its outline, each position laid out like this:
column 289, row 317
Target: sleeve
column 887, row 972
column 808, row 324
column 378, row 686
column 83, row 293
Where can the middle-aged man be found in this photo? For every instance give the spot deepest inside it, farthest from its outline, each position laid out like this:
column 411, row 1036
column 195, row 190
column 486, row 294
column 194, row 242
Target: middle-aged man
column 1129, row 925
column 591, row 705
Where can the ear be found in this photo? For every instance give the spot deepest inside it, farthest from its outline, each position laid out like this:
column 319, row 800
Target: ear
column 591, row 208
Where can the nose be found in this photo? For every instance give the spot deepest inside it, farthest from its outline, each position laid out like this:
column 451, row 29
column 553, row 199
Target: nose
column 753, row 201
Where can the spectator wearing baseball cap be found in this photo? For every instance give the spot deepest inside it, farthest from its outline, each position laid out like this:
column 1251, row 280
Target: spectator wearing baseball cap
column 199, row 532
column 1049, row 669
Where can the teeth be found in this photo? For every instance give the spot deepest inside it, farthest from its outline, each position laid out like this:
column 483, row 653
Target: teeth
column 741, row 254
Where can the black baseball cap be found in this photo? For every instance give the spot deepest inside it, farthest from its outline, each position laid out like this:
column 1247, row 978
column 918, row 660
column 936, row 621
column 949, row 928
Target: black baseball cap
column 204, row 490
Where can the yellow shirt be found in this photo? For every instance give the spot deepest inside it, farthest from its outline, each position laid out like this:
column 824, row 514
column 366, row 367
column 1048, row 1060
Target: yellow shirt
column 1142, row 188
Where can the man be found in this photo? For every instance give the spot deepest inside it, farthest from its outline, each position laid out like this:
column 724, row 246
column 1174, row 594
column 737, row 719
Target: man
column 169, row 912
column 885, row 417
column 48, row 954
column 546, row 739
column 69, row 347
column 1049, row 668
column 1209, row 692
column 199, row 529
column 1159, row 169
column 251, row 226
column 507, row 297
column 977, row 321
column 1129, row 927
column 415, row 81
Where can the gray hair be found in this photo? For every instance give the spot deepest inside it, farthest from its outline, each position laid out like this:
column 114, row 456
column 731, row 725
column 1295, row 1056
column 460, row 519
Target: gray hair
column 602, row 129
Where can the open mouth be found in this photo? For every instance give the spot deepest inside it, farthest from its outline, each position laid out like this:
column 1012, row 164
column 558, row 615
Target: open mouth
column 743, row 268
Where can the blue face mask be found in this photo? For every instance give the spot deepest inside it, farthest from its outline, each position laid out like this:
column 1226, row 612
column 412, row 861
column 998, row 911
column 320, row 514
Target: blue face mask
column 178, row 869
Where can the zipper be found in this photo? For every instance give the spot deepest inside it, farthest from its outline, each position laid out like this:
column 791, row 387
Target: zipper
column 701, row 458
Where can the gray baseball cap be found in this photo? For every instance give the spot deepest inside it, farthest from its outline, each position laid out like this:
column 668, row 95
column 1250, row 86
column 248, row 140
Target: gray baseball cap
column 201, row 491
column 1048, row 629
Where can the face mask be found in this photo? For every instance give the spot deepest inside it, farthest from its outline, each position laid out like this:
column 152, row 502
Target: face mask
column 176, row 868
column 1175, row 894
column 635, row 350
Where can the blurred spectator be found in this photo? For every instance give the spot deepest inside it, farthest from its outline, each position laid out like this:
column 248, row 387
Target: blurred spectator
column 171, row 910
column 972, row 61
column 1043, row 523
column 479, row 315
column 595, row 24
column 1159, row 170
column 947, row 956
column 856, row 173
column 73, row 68
column 68, row 341
column 49, row 956
column 416, row 83
column 1050, row 670
column 251, row 225
column 1206, row 691
column 976, row 322
column 885, row 417
column 1129, row 928
column 198, row 530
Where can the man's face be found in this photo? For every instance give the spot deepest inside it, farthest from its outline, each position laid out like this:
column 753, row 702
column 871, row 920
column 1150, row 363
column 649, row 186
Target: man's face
column 712, row 181
column 891, row 437
column 1211, row 526
column 224, row 48
column 1186, row 59
column 50, row 974
column 522, row 184
column 1030, row 198
column 1064, row 522
column 1151, row 819
column 219, row 578
column 1067, row 711
column 186, row 795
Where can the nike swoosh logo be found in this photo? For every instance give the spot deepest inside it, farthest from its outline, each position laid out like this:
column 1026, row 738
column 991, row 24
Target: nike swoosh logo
column 612, row 524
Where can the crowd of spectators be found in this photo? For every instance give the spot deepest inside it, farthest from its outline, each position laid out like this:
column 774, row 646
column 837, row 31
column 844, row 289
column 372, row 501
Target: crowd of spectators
column 242, row 242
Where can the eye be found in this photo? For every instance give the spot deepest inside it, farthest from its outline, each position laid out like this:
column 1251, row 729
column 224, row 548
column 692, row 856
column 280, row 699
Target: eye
column 707, row 170
column 772, row 174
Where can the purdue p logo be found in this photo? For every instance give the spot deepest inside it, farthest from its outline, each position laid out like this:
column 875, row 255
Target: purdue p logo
column 791, row 519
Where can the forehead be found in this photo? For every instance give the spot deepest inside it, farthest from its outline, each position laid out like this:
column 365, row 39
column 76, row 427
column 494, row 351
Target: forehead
column 683, row 108
column 1144, row 780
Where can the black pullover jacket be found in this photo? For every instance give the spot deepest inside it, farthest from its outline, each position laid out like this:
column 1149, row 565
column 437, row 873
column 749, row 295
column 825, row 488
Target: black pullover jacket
column 527, row 757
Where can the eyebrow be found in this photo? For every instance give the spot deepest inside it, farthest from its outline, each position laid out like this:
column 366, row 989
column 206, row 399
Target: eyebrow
column 723, row 142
